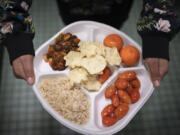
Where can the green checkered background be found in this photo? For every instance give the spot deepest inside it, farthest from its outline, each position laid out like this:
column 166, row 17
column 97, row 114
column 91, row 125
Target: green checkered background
column 22, row 114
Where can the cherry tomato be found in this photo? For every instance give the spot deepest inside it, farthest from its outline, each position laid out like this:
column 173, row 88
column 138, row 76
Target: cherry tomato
column 121, row 110
column 136, row 83
column 106, row 74
column 109, row 120
column 109, row 109
column 113, row 40
column 127, row 75
column 124, row 96
column 129, row 88
column 121, row 84
column 110, row 91
column 135, row 95
column 115, row 100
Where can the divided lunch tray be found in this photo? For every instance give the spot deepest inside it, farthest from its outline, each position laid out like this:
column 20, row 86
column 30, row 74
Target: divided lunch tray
column 96, row 32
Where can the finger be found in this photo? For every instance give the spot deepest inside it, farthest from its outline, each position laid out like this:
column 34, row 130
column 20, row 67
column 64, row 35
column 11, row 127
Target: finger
column 153, row 64
column 163, row 67
column 18, row 69
column 28, row 68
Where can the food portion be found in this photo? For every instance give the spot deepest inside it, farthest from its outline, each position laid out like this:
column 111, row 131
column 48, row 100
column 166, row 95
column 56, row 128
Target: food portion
column 130, row 55
column 94, row 65
column 73, row 59
column 113, row 40
column 68, row 100
column 78, row 75
column 56, row 52
column 112, row 56
column 92, row 84
column 122, row 93
column 89, row 65
column 128, row 76
column 105, row 75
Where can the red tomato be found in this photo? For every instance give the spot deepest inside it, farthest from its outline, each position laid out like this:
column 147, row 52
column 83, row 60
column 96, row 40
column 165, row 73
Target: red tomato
column 113, row 40
column 129, row 88
column 106, row 74
column 109, row 109
column 127, row 75
column 108, row 120
column 121, row 110
column 110, row 91
column 124, row 96
column 121, row 84
column 115, row 100
column 136, row 83
column 135, row 95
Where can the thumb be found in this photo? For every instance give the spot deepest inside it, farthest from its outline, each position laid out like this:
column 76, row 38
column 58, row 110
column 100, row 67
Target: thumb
column 153, row 65
column 28, row 69
column 163, row 67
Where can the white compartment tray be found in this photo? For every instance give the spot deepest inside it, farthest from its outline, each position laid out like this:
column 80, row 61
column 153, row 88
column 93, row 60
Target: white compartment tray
column 93, row 31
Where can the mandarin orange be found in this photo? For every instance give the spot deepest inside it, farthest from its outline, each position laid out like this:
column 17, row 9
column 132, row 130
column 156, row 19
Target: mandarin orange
column 113, row 40
column 130, row 55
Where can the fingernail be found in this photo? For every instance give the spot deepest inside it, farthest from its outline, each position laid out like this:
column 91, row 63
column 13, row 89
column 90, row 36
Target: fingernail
column 156, row 83
column 30, row 81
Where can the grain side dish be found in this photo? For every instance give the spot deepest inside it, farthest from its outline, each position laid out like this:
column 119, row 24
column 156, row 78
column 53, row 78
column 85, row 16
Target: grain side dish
column 68, row 100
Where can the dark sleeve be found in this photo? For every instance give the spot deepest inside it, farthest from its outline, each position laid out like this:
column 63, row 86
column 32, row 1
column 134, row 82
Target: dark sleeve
column 157, row 25
column 16, row 28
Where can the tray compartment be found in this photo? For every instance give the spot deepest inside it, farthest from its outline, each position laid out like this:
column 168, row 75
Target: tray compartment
column 146, row 90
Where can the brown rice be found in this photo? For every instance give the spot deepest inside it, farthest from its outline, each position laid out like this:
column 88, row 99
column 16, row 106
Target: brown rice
column 69, row 101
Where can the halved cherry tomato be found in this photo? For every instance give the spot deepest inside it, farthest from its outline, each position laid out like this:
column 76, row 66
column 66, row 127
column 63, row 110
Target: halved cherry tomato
column 113, row 40
column 127, row 75
column 110, row 91
column 121, row 84
column 115, row 100
column 135, row 95
column 121, row 110
column 109, row 120
column 124, row 96
column 109, row 109
column 106, row 74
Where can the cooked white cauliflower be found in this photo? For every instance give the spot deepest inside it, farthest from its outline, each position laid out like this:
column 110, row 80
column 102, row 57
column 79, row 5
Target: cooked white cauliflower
column 77, row 75
column 112, row 56
column 73, row 59
column 94, row 65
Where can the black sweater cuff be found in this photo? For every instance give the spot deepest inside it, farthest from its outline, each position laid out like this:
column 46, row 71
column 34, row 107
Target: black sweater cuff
column 19, row 44
column 155, row 47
